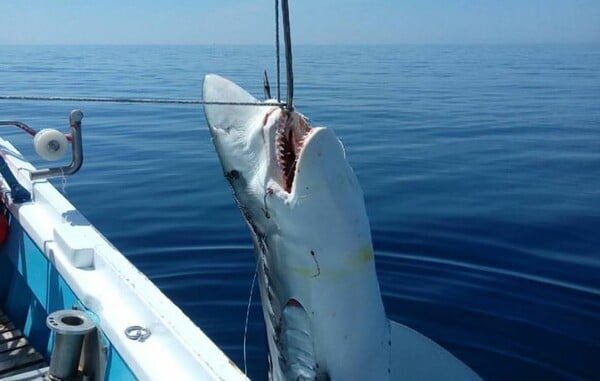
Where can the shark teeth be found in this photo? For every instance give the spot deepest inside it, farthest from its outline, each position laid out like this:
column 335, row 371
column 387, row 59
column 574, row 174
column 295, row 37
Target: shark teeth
column 290, row 135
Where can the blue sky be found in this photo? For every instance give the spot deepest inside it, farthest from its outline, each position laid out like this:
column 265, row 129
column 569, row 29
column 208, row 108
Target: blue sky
column 325, row 21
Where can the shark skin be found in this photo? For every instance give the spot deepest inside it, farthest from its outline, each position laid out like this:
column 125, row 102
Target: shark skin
column 302, row 202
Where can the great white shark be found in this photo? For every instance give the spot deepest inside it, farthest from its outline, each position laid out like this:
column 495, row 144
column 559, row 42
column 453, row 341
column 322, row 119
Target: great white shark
column 322, row 305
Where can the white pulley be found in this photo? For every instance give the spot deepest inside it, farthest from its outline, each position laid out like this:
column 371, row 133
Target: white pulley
column 50, row 144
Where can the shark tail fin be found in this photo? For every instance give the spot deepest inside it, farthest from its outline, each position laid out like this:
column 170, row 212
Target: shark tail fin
column 416, row 357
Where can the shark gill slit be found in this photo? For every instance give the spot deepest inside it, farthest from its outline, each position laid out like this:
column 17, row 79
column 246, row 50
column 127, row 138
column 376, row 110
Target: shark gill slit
column 298, row 357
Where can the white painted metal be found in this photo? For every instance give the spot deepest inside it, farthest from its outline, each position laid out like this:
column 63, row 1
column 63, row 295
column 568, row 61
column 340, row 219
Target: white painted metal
column 113, row 289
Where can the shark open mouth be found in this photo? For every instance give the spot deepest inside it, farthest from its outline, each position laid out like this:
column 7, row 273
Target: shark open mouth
column 290, row 134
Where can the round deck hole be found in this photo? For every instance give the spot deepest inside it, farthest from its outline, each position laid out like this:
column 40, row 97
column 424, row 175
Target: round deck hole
column 72, row 320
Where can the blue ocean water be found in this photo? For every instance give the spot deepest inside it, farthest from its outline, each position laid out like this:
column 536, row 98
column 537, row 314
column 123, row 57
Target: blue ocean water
column 480, row 167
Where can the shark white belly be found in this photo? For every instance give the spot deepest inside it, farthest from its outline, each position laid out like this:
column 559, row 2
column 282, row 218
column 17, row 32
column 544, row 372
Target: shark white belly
column 305, row 209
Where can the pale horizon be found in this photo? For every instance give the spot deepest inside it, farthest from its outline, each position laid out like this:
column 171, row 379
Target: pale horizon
column 335, row 22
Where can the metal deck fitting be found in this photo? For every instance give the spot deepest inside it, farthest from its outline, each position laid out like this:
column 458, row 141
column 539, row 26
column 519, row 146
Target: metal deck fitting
column 17, row 356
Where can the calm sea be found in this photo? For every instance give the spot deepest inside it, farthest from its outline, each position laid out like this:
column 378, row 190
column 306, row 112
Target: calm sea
column 480, row 167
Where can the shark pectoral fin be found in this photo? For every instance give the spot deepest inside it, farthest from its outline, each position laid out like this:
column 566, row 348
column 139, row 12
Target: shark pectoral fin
column 416, row 357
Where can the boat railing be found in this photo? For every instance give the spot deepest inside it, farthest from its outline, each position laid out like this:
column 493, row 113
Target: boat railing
column 50, row 144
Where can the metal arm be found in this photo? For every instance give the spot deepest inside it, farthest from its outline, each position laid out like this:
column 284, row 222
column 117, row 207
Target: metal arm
column 20, row 125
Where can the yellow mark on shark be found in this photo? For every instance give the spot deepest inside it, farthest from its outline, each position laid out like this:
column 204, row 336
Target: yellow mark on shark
column 359, row 261
column 365, row 255
column 362, row 259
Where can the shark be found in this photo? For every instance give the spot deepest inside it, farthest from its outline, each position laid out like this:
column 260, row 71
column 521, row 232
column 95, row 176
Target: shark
column 322, row 305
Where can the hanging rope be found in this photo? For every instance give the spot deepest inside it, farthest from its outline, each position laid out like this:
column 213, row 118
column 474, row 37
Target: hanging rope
column 287, row 38
column 277, row 50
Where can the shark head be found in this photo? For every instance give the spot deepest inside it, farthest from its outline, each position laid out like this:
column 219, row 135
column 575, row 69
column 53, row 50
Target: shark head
column 277, row 150
column 287, row 177
column 306, row 212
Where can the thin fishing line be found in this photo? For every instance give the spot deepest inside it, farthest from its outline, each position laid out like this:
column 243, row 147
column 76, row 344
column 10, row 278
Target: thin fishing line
column 248, row 317
column 63, row 181
column 133, row 100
